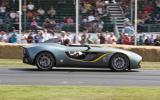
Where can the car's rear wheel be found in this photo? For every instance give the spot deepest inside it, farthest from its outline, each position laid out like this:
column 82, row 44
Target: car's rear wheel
column 45, row 61
column 119, row 62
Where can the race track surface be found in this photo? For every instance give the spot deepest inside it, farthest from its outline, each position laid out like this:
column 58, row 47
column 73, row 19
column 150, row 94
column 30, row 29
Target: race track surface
column 29, row 76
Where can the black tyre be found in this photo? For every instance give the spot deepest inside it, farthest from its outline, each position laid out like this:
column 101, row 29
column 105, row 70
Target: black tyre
column 119, row 62
column 45, row 61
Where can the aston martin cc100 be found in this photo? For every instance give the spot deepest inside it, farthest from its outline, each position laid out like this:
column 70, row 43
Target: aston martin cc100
column 48, row 55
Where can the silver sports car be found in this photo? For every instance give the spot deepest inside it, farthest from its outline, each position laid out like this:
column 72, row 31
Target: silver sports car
column 48, row 55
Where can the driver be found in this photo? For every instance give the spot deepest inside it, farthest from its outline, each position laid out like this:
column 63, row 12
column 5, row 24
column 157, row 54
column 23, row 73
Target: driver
column 76, row 53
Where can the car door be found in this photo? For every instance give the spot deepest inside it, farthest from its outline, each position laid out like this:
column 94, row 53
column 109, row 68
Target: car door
column 86, row 58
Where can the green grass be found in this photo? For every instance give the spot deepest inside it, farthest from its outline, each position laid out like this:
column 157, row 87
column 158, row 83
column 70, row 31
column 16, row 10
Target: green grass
column 12, row 63
column 18, row 63
column 151, row 65
column 78, row 93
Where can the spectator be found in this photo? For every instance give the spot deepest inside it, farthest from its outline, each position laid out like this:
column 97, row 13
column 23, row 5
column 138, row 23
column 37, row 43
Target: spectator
column 152, row 39
column 52, row 24
column 157, row 18
column 126, row 39
column 90, row 39
column 132, row 40
column 3, row 36
column 157, row 40
column 140, row 41
column 84, row 20
column 87, row 5
column 41, row 12
column 34, row 24
column 83, row 11
column 24, row 7
column 91, row 18
column 2, row 9
column 39, row 37
column 13, row 15
column 140, row 15
column 100, row 26
column 102, row 39
column 46, row 36
column 22, row 38
column 51, row 12
column 30, row 38
column 17, row 17
column 13, row 38
column 14, row 31
column 148, row 9
column 100, row 4
column 65, row 39
column 128, row 29
column 111, row 39
column 59, row 26
column 8, row 22
column 147, row 41
column 69, row 21
column 30, row 14
column 46, row 23
column 84, row 37
column 30, row 6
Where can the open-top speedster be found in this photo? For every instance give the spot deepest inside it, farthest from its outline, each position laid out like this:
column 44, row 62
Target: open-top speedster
column 48, row 55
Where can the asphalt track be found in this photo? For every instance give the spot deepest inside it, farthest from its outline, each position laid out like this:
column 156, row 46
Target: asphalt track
column 82, row 77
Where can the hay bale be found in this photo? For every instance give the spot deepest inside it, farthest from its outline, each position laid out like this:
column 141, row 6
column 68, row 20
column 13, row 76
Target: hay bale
column 9, row 51
column 149, row 53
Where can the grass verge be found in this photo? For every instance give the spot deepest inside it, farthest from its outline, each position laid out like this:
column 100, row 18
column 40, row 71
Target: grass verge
column 18, row 63
column 151, row 65
column 78, row 93
column 12, row 63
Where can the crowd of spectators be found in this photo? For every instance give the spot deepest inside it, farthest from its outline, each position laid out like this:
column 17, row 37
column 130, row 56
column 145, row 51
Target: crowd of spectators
column 148, row 12
column 92, row 14
column 65, row 38
column 149, row 40
column 110, row 38
column 13, row 36
column 39, row 17
column 9, row 15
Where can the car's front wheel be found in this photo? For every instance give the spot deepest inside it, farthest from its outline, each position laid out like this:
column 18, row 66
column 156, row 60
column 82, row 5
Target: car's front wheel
column 45, row 61
column 119, row 62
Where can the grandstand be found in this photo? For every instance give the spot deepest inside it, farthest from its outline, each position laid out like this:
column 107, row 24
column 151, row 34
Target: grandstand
column 148, row 14
column 66, row 8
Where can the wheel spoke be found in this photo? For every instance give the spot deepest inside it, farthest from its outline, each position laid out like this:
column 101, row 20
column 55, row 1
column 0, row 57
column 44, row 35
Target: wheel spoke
column 45, row 61
column 119, row 62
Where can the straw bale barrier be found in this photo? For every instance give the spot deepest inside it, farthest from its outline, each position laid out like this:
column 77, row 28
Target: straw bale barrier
column 10, row 51
column 149, row 53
